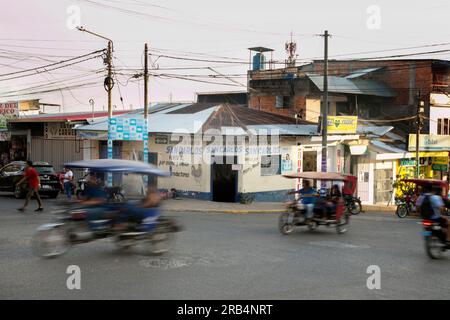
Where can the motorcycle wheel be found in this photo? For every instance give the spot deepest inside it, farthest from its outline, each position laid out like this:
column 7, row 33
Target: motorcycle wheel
column 123, row 244
column 434, row 247
column 341, row 226
column 158, row 243
column 355, row 207
column 402, row 211
column 286, row 223
column 312, row 226
column 50, row 243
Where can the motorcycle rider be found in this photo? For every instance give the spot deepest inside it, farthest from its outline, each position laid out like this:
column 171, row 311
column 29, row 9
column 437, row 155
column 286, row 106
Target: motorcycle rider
column 309, row 196
column 335, row 196
column 431, row 206
column 145, row 214
column 95, row 199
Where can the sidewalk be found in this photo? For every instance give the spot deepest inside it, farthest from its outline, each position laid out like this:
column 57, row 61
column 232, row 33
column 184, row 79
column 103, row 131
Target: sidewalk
column 192, row 205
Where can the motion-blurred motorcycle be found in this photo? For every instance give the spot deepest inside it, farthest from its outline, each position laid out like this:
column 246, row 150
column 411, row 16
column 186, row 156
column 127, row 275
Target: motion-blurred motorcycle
column 75, row 224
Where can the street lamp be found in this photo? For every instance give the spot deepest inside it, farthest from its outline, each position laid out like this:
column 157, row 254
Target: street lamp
column 108, row 81
column 109, row 84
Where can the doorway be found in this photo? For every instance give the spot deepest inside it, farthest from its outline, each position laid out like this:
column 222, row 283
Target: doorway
column 117, row 154
column 383, row 185
column 224, row 179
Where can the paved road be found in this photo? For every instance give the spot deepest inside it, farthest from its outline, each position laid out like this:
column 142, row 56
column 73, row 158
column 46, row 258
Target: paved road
column 221, row 256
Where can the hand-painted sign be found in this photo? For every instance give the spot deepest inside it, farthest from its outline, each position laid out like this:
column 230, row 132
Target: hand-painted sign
column 161, row 139
column 342, row 124
column 8, row 110
column 59, row 131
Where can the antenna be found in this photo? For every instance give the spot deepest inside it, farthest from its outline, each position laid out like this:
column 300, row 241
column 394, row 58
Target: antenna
column 291, row 48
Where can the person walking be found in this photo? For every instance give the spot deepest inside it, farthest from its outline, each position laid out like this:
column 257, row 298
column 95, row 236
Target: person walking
column 68, row 183
column 33, row 186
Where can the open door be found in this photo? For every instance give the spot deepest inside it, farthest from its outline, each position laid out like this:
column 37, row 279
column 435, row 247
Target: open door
column 223, row 179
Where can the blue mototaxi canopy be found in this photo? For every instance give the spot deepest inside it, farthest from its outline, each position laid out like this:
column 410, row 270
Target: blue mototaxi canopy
column 116, row 165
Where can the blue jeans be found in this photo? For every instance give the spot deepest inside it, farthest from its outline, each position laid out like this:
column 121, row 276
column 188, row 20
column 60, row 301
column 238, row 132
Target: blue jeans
column 68, row 189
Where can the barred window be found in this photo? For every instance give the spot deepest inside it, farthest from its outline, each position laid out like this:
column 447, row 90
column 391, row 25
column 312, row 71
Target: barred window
column 270, row 165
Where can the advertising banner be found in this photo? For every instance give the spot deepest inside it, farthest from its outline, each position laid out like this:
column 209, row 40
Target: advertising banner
column 8, row 110
column 430, row 142
column 342, row 124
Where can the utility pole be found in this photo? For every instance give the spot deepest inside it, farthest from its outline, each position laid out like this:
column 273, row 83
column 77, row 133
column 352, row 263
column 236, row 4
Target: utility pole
column 145, row 81
column 325, row 104
column 108, row 85
column 109, row 81
column 419, row 124
column 145, row 149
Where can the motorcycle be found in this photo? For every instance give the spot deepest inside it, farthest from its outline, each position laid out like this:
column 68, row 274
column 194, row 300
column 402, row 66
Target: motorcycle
column 74, row 224
column 114, row 194
column 435, row 240
column 405, row 205
column 352, row 204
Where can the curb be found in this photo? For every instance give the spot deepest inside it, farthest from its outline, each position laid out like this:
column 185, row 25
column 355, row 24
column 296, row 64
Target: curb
column 227, row 211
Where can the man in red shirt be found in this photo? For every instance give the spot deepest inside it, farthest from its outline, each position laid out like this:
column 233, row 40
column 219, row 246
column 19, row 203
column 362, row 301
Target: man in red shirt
column 33, row 186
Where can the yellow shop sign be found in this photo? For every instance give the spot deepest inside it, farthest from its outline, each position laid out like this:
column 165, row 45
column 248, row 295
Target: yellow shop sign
column 342, row 124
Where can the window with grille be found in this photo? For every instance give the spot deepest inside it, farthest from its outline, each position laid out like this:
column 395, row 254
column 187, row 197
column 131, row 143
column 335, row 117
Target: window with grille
column 270, row 165
column 282, row 102
column 443, row 126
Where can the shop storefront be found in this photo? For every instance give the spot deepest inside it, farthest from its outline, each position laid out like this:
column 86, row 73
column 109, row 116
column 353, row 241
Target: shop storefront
column 432, row 165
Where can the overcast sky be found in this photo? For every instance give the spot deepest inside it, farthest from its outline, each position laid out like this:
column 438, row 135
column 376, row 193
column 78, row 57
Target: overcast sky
column 35, row 33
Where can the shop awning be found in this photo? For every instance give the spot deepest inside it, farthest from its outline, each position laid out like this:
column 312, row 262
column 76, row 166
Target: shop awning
column 358, row 150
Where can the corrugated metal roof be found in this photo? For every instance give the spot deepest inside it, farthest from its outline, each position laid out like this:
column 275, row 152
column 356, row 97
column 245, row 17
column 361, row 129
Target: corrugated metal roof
column 373, row 130
column 362, row 72
column 288, row 129
column 387, row 147
column 69, row 116
column 164, row 122
column 229, row 119
column 352, row 86
column 192, row 108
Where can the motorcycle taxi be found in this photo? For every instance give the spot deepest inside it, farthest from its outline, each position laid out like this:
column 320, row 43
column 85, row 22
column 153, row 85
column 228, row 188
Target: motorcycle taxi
column 329, row 210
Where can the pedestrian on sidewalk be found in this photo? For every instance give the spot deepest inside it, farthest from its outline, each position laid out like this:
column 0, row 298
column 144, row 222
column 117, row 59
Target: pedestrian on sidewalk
column 68, row 183
column 33, row 186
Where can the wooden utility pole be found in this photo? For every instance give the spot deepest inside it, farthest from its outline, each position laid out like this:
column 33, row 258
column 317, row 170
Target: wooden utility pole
column 325, row 105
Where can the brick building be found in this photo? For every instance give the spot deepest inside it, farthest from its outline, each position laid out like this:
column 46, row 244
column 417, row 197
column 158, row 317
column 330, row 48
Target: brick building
column 376, row 89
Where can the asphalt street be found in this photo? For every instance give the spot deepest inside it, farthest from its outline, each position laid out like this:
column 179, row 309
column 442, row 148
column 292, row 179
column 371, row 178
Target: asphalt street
column 228, row 256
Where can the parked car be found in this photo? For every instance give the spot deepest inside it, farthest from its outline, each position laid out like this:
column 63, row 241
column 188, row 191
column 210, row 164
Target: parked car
column 13, row 172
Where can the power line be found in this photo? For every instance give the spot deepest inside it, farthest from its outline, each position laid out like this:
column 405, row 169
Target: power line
column 52, row 64
column 47, row 70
